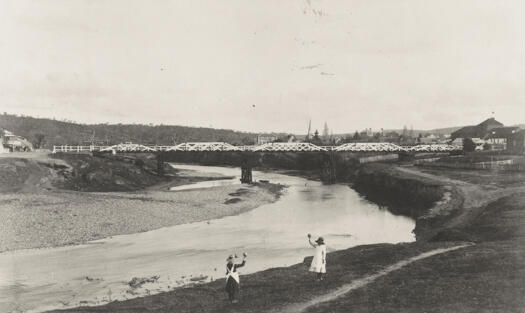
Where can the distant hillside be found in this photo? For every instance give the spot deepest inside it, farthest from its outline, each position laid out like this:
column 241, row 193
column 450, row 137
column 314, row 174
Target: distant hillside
column 61, row 132
column 443, row 131
column 437, row 131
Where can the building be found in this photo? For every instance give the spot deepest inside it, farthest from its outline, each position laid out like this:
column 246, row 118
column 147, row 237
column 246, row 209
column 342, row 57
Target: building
column 480, row 144
column 516, row 143
column 478, row 131
column 427, row 140
column 13, row 143
column 497, row 138
column 291, row 138
column 265, row 138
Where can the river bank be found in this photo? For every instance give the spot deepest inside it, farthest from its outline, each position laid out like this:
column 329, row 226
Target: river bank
column 37, row 210
column 487, row 276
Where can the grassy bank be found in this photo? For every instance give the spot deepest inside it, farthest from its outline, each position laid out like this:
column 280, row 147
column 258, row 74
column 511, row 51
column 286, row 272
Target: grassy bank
column 488, row 276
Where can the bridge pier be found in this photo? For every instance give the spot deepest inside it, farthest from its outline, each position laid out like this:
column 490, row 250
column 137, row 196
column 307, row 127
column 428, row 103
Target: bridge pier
column 246, row 174
column 328, row 168
column 160, row 164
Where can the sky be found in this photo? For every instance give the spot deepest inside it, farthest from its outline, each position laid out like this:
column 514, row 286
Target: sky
column 265, row 65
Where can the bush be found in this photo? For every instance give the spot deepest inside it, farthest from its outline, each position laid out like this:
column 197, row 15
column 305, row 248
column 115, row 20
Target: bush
column 468, row 145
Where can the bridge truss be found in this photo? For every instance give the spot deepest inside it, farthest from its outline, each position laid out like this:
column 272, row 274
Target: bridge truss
column 269, row 147
column 289, row 147
column 204, row 146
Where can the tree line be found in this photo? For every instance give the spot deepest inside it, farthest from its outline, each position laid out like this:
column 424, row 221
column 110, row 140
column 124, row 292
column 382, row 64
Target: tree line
column 44, row 133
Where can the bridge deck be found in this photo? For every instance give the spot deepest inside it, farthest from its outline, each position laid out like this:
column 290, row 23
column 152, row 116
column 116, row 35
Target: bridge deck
column 269, row 147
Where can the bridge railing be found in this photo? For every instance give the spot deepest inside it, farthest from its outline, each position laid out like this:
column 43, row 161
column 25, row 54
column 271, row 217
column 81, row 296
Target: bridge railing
column 69, row 148
column 433, row 148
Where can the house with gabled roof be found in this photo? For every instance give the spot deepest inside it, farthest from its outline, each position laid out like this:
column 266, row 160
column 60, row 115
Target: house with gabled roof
column 477, row 131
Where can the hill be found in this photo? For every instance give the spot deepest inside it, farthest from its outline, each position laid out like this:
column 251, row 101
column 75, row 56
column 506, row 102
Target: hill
column 44, row 133
column 437, row 131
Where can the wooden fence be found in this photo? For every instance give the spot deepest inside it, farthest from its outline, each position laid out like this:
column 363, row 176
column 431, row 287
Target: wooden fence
column 501, row 165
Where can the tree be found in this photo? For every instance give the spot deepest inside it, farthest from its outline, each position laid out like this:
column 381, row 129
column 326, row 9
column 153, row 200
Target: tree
column 316, row 140
column 405, row 132
column 468, row 145
column 356, row 135
column 316, row 135
column 40, row 139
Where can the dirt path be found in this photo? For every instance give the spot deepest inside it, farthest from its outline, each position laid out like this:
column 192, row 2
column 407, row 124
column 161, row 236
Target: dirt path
column 475, row 196
column 441, row 179
column 344, row 289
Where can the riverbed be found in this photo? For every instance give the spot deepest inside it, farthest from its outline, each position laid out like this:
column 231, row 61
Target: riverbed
column 273, row 235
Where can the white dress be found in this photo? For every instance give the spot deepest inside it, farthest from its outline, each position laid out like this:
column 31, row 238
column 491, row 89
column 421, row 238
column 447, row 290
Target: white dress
column 318, row 265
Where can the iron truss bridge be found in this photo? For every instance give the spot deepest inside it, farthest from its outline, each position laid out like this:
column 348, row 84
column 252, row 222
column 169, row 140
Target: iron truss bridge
column 269, row 147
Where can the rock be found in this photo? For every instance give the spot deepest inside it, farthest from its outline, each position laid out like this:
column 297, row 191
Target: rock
column 137, row 282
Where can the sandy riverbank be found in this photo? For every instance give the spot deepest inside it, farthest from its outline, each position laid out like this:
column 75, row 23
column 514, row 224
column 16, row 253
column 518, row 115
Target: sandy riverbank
column 33, row 220
column 486, row 276
column 38, row 214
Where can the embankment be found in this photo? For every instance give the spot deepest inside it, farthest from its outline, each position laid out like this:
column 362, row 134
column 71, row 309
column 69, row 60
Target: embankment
column 432, row 202
column 105, row 172
column 79, row 172
column 402, row 194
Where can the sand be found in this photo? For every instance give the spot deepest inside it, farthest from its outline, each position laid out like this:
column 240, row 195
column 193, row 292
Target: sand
column 57, row 217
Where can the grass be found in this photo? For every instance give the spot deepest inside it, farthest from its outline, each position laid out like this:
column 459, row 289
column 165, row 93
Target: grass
column 487, row 277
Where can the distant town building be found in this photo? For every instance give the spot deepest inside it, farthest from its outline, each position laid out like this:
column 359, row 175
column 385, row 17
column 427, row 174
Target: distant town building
column 291, row 138
column 477, row 131
column 13, row 143
column 497, row 138
column 265, row 138
column 480, row 144
column 516, row 143
column 427, row 140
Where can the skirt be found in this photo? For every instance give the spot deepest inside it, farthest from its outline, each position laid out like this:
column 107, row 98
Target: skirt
column 232, row 286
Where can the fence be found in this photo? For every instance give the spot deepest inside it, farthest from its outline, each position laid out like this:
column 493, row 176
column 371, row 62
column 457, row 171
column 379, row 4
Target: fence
column 77, row 149
column 501, row 165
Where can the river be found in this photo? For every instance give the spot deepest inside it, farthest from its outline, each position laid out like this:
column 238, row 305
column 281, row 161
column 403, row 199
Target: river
column 273, row 235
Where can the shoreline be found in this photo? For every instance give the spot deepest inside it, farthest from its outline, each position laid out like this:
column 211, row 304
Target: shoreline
column 53, row 217
column 451, row 221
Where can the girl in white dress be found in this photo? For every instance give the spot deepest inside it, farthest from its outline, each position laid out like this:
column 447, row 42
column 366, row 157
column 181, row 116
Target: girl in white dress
column 319, row 261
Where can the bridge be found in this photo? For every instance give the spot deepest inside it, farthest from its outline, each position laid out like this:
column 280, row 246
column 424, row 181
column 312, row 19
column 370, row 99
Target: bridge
column 269, row 147
column 246, row 154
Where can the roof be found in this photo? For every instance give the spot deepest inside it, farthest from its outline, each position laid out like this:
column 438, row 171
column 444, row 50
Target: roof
column 502, row 132
column 468, row 132
column 477, row 131
column 490, row 122
column 7, row 133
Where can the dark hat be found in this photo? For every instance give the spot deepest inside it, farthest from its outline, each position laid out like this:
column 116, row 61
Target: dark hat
column 320, row 240
column 231, row 257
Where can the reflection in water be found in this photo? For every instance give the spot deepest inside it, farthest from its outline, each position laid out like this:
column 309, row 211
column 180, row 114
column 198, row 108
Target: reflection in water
column 272, row 235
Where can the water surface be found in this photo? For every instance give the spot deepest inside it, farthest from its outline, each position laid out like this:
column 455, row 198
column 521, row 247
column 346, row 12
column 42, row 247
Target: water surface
column 272, row 235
